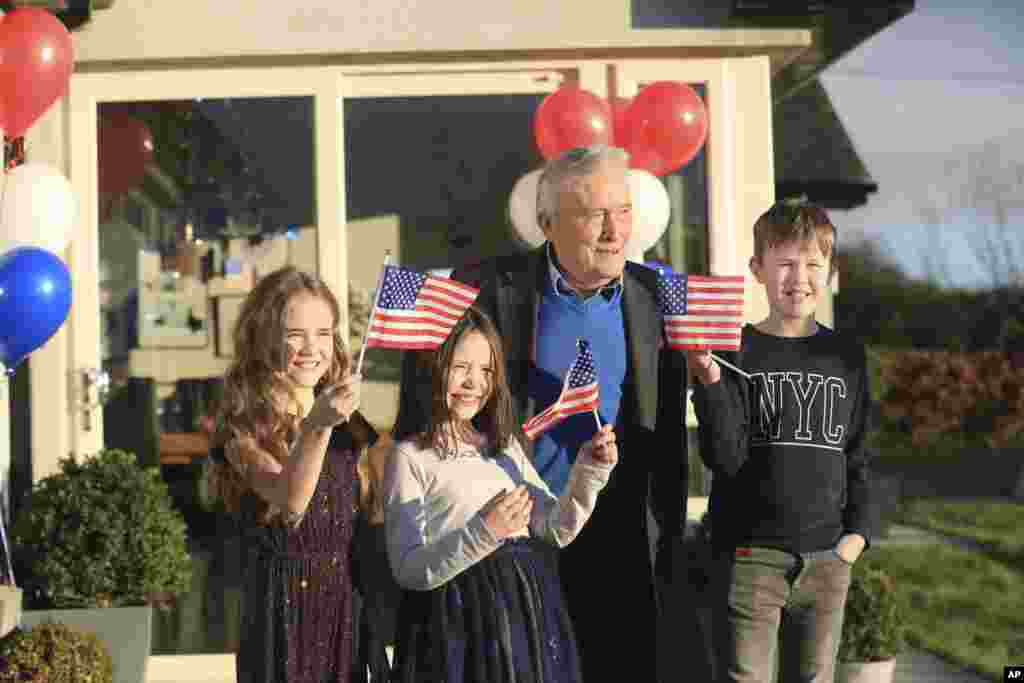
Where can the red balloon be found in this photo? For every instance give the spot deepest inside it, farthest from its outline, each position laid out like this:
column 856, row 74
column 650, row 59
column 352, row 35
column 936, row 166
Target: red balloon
column 666, row 126
column 571, row 117
column 619, row 107
column 35, row 65
column 125, row 147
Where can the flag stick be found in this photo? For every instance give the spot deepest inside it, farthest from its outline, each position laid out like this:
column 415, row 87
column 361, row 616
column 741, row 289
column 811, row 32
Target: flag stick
column 730, row 365
column 373, row 311
column 565, row 382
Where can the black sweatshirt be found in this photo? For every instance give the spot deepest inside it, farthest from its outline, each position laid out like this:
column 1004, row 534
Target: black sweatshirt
column 787, row 447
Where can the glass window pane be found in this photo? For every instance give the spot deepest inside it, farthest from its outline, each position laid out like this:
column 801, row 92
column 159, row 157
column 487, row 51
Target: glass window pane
column 428, row 178
column 198, row 199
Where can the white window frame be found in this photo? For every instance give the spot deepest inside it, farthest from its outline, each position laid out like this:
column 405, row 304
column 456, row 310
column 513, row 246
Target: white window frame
column 714, row 75
column 86, row 92
column 330, row 86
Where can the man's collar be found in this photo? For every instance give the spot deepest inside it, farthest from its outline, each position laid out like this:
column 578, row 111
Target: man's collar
column 561, row 285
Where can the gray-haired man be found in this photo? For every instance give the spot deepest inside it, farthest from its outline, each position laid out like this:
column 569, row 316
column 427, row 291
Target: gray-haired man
column 579, row 284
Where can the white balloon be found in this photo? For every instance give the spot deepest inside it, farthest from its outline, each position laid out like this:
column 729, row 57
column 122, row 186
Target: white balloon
column 37, row 208
column 522, row 209
column 651, row 212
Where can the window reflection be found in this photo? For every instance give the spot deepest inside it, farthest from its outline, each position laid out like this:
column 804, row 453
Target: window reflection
column 198, row 199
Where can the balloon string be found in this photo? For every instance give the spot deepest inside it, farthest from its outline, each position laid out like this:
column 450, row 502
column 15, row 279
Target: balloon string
column 3, row 189
column 14, row 152
column 3, row 194
column 9, row 163
column 9, row 568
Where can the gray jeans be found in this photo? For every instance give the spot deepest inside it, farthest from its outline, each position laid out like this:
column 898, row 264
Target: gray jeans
column 768, row 600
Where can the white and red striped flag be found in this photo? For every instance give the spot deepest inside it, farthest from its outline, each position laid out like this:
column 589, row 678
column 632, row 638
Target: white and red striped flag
column 415, row 310
column 702, row 311
column 579, row 394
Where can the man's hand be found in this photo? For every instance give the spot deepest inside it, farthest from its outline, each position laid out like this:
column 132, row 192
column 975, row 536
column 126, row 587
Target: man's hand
column 703, row 366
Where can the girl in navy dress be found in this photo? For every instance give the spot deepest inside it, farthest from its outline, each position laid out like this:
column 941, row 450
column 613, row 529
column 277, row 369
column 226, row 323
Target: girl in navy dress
column 473, row 531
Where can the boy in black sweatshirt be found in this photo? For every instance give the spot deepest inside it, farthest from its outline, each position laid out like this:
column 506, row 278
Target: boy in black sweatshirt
column 789, row 508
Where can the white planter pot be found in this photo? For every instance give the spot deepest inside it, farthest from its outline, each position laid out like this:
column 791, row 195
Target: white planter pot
column 10, row 609
column 866, row 672
column 126, row 631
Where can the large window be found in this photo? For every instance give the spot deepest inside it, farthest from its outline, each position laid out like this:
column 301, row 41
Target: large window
column 429, row 179
column 200, row 183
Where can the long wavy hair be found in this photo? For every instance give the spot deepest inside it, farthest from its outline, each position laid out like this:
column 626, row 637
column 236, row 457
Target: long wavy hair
column 496, row 420
column 257, row 391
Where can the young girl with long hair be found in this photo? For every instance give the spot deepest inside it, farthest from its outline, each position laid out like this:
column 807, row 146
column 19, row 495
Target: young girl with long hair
column 473, row 531
column 286, row 448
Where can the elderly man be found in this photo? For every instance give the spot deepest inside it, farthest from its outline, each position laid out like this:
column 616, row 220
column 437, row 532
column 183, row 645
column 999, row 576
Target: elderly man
column 579, row 285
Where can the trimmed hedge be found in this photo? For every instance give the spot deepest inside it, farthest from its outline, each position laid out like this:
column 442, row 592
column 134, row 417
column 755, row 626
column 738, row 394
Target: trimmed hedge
column 931, row 394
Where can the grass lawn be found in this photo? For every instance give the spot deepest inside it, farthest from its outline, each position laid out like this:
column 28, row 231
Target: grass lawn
column 961, row 605
column 998, row 526
column 965, row 606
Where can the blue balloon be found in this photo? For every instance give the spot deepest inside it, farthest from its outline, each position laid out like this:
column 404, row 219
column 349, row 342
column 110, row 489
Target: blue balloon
column 35, row 297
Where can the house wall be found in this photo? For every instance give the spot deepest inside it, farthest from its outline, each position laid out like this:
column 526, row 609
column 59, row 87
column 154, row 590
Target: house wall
column 194, row 34
column 153, row 30
column 48, row 367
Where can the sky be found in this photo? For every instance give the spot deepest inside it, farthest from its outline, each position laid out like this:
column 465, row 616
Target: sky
column 941, row 85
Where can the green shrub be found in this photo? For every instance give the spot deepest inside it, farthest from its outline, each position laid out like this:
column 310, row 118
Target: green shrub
column 54, row 653
column 101, row 533
column 873, row 624
column 932, row 394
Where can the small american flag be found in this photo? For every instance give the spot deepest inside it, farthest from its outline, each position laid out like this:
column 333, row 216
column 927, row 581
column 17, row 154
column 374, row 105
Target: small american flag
column 702, row 311
column 416, row 311
column 579, row 394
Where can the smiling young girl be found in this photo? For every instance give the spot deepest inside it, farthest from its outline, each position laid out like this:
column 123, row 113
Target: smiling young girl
column 472, row 530
column 287, row 445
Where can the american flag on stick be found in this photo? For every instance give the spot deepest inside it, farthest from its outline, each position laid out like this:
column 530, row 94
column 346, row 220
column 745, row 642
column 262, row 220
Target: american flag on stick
column 579, row 394
column 702, row 311
column 415, row 310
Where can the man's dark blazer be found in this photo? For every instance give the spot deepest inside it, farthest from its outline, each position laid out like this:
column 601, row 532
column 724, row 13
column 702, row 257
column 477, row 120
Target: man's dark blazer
column 607, row 569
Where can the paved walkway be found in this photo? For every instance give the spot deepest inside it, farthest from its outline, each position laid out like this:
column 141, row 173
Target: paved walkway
column 915, row 666
column 909, row 535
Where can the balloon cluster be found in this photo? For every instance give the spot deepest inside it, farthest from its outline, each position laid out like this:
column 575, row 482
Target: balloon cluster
column 651, row 211
column 37, row 208
column 662, row 128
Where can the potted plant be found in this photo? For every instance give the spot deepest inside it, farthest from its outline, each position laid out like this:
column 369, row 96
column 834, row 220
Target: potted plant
column 52, row 651
column 96, row 546
column 872, row 633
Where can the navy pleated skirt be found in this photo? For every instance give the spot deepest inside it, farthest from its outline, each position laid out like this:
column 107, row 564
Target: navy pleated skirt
column 503, row 620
